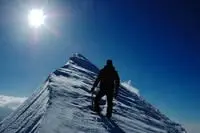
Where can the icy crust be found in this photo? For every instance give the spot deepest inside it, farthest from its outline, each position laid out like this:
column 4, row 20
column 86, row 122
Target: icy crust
column 63, row 105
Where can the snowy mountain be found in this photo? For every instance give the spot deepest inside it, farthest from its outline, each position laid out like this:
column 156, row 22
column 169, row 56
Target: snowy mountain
column 63, row 103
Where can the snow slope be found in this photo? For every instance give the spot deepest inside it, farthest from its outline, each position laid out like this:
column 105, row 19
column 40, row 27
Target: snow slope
column 63, row 106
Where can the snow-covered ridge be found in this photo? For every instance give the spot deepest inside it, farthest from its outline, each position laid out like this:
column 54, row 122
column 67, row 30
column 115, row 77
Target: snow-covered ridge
column 63, row 105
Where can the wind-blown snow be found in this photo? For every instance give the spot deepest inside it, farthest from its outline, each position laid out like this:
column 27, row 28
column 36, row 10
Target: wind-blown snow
column 63, row 105
column 130, row 87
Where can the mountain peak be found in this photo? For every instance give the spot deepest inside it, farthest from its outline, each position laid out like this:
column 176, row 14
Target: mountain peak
column 80, row 56
column 81, row 61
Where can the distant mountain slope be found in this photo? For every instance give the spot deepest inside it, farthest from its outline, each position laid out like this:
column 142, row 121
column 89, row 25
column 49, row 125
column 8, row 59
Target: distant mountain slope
column 63, row 106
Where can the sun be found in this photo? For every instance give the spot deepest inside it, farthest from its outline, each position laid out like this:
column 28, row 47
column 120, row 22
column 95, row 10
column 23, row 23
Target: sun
column 36, row 18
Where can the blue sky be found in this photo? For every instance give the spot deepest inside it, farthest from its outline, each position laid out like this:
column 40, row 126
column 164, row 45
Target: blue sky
column 153, row 43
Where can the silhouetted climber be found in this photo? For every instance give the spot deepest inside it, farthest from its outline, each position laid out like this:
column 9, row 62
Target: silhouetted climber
column 109, row 84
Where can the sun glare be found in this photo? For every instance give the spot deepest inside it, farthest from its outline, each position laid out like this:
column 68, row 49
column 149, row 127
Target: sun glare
column 36, row 18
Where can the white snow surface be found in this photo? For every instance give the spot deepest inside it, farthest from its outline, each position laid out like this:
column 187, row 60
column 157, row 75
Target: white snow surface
column 63, row 105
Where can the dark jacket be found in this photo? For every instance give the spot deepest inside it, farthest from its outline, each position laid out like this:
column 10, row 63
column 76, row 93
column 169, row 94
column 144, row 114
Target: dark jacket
column 108, row 78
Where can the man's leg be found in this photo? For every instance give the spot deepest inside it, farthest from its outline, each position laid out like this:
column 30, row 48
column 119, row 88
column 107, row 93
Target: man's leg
column 110, row 104
column 97, row 99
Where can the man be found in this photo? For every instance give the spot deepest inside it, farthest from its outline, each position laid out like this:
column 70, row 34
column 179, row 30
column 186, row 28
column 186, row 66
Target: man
column 109, row 84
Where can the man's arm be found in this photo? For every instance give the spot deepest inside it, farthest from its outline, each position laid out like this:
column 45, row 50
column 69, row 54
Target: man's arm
column 117, row 84
column 96, row 82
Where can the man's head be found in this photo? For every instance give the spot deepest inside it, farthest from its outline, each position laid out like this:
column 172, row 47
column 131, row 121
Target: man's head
column 109, row 62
